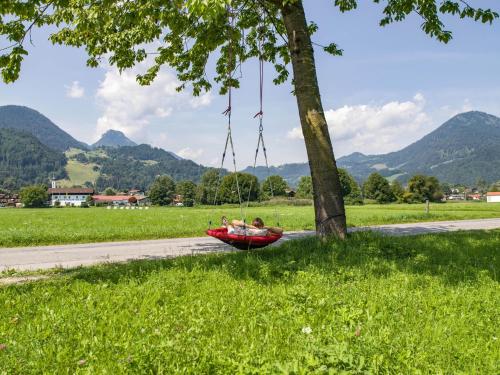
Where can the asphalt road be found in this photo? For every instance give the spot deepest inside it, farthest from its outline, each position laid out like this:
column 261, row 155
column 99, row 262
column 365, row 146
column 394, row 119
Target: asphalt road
column 68, row 256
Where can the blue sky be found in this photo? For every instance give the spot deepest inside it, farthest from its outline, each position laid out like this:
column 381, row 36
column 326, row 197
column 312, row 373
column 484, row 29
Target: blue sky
column 392, row 86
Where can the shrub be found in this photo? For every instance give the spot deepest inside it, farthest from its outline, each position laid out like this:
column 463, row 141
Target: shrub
column 186, row 189
column 305, row 188
column 425, row 187
column 397, row 190
column 34, row 196
column 274, row 186
column 248, row 185
column 162, row 191
column 188, row 202
column 109, row 191
column 378, row 188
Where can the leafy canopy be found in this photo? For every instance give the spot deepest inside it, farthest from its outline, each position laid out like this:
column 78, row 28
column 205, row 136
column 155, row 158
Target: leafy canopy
column 377, row 187
column 183, row 34
column 162, row 191
column 274, row 185
column 34, row 196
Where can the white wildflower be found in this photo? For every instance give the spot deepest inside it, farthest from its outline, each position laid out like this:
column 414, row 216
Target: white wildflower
column 307, row 330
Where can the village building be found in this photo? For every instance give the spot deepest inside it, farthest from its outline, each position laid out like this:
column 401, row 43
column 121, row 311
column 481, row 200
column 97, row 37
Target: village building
column 178, row 200
column 493, row 197
column 69, row 196
column 135, row 192
column 10, row 200
column 474, row 197
column 121, row 200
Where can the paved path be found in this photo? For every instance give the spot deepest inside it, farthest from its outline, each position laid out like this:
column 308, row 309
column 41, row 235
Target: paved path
column 67, row 256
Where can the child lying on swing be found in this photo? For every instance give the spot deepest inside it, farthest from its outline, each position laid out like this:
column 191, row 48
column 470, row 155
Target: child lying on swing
column 257, row 228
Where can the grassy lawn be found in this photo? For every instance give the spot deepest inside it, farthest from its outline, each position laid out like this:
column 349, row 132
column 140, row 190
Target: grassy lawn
column 25, row 227
column 426, row 304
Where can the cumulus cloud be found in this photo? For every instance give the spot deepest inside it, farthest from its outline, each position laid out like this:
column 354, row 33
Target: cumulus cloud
column 374, row 129
column 130, row 107
column 75, row 91
column 189, row 153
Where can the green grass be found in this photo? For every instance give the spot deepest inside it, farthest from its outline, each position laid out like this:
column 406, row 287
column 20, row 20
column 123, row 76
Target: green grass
column 78, row 173
column 420, row 305
column 26, row 227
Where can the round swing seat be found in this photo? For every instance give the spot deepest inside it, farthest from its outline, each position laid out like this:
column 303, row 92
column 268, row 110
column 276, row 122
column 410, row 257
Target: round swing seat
column 243, row 242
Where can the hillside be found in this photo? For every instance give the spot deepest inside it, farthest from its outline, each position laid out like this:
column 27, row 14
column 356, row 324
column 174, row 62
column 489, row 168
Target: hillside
column 138, row 166
column 463, row 149
column 113, row 138
column 24, row 160
column 30, row 121
column 126, row 167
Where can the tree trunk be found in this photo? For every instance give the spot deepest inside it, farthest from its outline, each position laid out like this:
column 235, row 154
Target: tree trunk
column 328, row 201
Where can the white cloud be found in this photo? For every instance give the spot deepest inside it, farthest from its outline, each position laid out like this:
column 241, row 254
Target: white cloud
column 189, row 153
column 75, row 91
column 295, row 133
column 373, row 129
column 130, row 107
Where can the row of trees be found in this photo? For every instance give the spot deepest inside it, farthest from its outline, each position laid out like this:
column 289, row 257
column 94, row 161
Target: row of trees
column 216, row 189
column 349, row 187
column 419, row 189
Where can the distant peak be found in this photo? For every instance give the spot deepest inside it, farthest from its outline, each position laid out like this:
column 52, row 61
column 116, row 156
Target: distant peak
column 114, row 138
column 111, row 132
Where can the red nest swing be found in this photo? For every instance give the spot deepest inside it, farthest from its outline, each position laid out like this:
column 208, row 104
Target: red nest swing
column 243, row 242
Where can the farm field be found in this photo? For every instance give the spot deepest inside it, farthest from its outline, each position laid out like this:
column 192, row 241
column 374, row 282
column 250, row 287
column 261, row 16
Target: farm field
column 29, row 227
column 426, row 304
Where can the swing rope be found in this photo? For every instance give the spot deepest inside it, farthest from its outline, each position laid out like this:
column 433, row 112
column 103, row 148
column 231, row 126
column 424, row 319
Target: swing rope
column 227, row 112
column 260, row 115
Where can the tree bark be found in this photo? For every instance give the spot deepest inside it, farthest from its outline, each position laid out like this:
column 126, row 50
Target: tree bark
column 328, row 200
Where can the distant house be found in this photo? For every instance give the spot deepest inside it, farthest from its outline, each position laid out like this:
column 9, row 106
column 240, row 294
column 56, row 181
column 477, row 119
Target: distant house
column 69, row 196
column 121, row 200
column 474, row 197
column 493, row 197
column 9, row 200
column 290, row 193
column 135, row 192
column 178, row 200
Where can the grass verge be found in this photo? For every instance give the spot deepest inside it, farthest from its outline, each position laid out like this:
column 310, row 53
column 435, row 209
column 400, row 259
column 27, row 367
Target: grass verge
column 372, row 304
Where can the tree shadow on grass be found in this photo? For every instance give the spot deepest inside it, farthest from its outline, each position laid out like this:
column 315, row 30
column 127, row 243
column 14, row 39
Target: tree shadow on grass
column 453, row 257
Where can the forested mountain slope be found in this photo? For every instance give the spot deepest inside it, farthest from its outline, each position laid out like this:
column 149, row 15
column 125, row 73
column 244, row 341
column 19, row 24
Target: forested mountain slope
column 24, row 160
column 30, row 121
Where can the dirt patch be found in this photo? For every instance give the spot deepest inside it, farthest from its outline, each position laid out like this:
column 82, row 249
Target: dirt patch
column 21, row 279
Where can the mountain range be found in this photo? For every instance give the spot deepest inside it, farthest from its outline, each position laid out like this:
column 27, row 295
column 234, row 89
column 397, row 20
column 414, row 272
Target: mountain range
column 113, row 161
column 30, row 121
column 460, row 151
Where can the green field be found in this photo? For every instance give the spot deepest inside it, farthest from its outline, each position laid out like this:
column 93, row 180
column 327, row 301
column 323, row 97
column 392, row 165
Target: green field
column 79, row 173
column 370, row 305
column 25, row 227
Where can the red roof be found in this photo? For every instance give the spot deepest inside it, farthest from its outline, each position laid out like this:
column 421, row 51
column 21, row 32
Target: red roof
column 493, row 194
column 71, row 191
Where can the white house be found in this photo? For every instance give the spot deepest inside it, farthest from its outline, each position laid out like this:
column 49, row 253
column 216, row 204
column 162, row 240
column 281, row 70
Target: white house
column 69, row 196
column 493, row 197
